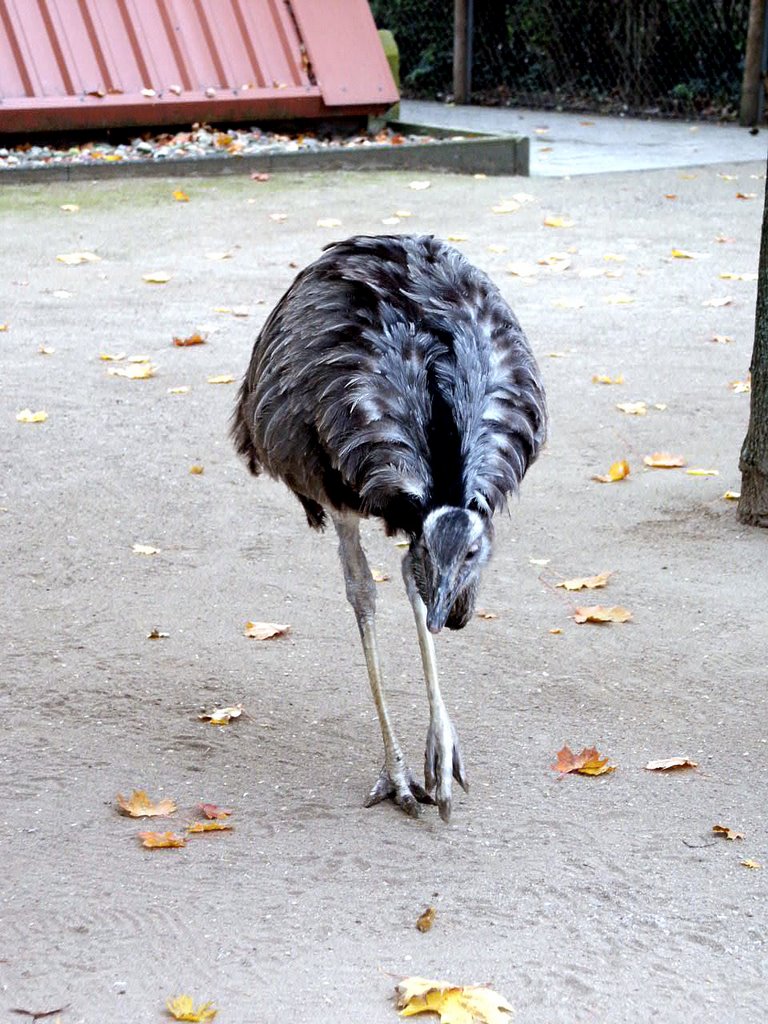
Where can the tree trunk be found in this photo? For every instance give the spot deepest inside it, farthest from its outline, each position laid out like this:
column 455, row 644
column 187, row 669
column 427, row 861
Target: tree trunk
column 753, row 80
column 753, row 504
column 461, row 68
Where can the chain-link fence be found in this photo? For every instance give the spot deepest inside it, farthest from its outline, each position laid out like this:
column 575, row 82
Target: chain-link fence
column 666, row 57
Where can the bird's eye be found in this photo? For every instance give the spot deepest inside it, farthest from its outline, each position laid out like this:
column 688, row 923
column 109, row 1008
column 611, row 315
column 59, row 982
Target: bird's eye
column 471, row 553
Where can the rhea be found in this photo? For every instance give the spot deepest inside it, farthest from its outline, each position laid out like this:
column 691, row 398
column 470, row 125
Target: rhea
column 393, row 381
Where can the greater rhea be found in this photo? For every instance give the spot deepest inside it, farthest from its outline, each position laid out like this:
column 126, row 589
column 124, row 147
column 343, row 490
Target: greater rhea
column 393, row 381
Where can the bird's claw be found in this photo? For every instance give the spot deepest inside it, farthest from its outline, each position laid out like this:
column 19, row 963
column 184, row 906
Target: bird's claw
column 443, row 761
column 400, row 786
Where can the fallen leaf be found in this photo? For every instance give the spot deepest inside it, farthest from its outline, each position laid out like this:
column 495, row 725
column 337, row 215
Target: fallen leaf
column 715, row 303
column 684, row 254
column 724, row 239
column 721, row 339
column 557, row 261
column 750, row 864
column 265, row 630
column 620, row 299
column 4, row 328
column 182, row 1008
column 483, row 613
column 107, row 357
column 196, row 469
column 522, row 269
column 586, row 582
column 278, row 218
column 603, row 378
column 726, row 276
column 260, row 176
column 670, row 195
column 703, row 472
column 41, row 1014
column 746, row 195
column 728, row 177
column 498, row 249
column 661, row 406
column 214, row 812
column 183, row 390
column 569, row 303
column 139, row 805
column 552, row 221
column 556, row 631
column 156, row 634
column 222, row 378
column 27, row 416
column 74, row 259
column 741, row 387
column 419, row 186
column 180, row 197
column 403, row 213
column 219, row 255
column 379, row 576
column 156, row 277
column 632, row 408
column 506, row 206
column 390, row 221
column 617, row 471
column 557, row 355
column 456, row 238
column 601, row 613
column 136, row 371
column 222, row 716
column 46, row 350
column 732, row 495
column 588, row 762
column 727, row 833
column 664, row 460
column 145, row 549
column 70, row 208
column 468, row 1004
column 208, row 826
column 671, row 763
column 139, row 359
column 426, row 919
column 539, row 561
column 614, row 257
column 192, row 339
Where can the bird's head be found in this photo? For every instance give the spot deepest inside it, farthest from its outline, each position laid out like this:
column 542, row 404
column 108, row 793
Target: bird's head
column 446, row 561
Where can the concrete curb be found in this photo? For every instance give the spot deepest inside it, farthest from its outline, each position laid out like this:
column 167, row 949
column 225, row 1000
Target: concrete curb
column 471, row 154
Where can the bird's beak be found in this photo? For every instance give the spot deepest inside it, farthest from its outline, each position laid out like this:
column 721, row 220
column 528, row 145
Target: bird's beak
column 438, row 609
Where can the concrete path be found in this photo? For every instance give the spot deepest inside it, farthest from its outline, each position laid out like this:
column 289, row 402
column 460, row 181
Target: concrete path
column 565, row 144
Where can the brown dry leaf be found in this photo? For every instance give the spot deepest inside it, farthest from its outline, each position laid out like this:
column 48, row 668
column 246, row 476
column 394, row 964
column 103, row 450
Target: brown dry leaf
column 670, row 195
column 617, row 471
column 454, row 1004
column 213, row 811
column 601, row 613
column 553, row 221
column 139, row 805
column 750, row 864
column 145, row 549
column 664, row 460
column 156, row 277
column 426, row 919
column 222, row 716
column 265, row 630
column 588, row 762
column 671, row 763
column 556, row 631
column 74, row 259
column 180, row 197
column 727, row 833
column 193, row 339
column 136, row 371
column 586, row 582
column 703, row 472
column 183, row 1008
column 483, row 613
column 746, row 195
column 604, row 378
column 157, row 634
column 196, row 469
column 632, row 408
column 725, row 300
column 222, row 378
column 27, row 416
column 208, row 826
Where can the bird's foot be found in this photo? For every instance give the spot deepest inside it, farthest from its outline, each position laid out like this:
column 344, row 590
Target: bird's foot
column 442, row 762
column 399, row 785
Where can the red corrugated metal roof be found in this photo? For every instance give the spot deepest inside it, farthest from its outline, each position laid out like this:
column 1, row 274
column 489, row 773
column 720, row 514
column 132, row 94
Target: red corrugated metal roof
column 85, row 63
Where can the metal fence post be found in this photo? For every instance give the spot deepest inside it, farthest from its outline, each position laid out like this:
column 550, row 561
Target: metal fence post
column 752, row 83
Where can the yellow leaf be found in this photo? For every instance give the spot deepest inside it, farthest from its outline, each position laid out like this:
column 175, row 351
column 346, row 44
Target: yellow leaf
column 750, row 864
column 620, row 299
column 222, row 378
column 468, row 1004
column 208, row 826
column 456, row 238
column 145, row 549
column 139, row 359
column 555, row 261
column 183, row 390
column 671, row 763
column 265, row 630
column 614, row 257
column 426, row 919
column 726, row 276
column 74, row 259
column 106, row 357
column 703, row 472
column 552, row 221
column 139, row 805
column 632, row 408
column 588, row 762
column 664, row 460
column 556, row 631
column 684, row 254
column 46, row 350
column 156, row 277
column 27, row 416
column 222, row 716
column 569, row 303
column 498, row 248
column 732, row 495
column 727, row 833
column 419, row 186
column 69, row 207
column 4, row 327
column 617, row 471
column 180, row 197
column 741, row 387
column 161, row 840
column 136, row 371
column 182, row 1008
column 522, row 269
column 603, row 378
column 601, row 613
column 586, row 582
column 196, row 469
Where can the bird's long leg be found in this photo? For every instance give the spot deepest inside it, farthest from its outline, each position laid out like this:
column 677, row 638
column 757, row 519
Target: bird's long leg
column 395, row 779
column 442, row 759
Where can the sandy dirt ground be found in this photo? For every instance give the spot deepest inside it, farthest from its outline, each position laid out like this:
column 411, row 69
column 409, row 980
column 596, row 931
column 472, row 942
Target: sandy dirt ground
column 583, row 900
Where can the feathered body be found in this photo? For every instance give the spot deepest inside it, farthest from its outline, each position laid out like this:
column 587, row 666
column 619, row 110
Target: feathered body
column 390, row 380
